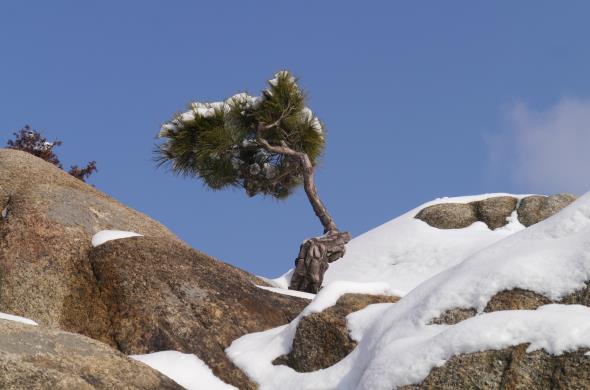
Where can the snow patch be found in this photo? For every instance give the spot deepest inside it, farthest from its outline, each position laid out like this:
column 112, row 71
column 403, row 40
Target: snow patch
column 187, row 117
column 275, row 80
column 109, row 235
column 22, row 320
column 286, row 291
column 207, row 110
column 360, row 321
column 282, row 281
column 329, row 294
column 185, row 369
column 513, row 224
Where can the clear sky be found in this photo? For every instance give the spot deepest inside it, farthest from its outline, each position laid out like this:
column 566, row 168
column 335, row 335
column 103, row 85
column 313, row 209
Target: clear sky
column 421, row 99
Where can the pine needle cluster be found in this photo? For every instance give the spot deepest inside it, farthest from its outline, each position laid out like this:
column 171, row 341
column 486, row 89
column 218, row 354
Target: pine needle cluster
column 219, row 142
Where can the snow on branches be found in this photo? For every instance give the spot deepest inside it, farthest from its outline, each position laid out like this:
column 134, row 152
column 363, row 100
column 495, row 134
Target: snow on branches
column 220, row 142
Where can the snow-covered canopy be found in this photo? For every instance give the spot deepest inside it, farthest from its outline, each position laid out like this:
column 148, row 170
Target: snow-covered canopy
column 246, row 141
column 206, row 110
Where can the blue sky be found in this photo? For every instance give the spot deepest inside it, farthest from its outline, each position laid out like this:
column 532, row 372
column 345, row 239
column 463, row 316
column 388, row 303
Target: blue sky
column 421, row 99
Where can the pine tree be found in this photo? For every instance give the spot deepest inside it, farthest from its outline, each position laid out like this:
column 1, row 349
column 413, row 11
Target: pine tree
column 266, row 145
column 33, row 142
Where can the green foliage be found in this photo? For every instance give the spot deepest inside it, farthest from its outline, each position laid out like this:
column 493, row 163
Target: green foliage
column 217, row 142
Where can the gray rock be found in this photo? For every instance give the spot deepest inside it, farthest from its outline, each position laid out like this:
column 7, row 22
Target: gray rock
column 321, row 339
column 534, row 209
column 492, row 211
column 495, row 211
column 45, row 242
column 163, row 296
column 514, row 299
column 34, row 357
column 449, row 215
column 453, row 316
column 510, row 368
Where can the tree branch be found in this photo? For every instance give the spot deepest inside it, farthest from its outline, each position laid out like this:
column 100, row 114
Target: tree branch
column 284, row 114
column 283, row 149
column 308, row 182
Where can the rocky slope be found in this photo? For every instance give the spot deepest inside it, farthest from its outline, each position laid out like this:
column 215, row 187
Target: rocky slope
column 163, row 296
column 485, row 302
column 494, row 211
column 137, row 295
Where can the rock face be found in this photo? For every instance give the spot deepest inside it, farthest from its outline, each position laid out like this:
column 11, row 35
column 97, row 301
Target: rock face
column 153, row 293
column 514, row 299
column 49, row 219
column 453, row 316
column 322, row 339
column 139, row 294
column 449, row 215
column 510, row 368
column 493, row 211
column 164, row 296
column 533, row 209
column 33, row 357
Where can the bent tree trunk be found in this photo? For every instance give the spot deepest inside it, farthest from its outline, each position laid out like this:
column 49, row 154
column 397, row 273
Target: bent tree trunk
column 314, row 256
column 314, row 253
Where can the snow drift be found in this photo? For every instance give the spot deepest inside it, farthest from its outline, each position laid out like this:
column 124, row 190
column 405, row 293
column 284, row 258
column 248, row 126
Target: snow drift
column 398, row 345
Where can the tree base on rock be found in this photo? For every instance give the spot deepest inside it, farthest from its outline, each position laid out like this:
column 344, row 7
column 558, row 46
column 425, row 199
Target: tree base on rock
column 314, row 256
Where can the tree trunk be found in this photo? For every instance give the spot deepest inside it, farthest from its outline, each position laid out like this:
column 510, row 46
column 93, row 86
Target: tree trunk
column 314, row 253
column 314, row 256
column 312, row 194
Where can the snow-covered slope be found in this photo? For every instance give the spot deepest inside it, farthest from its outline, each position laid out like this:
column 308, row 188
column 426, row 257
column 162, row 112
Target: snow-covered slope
column 397, row 343
column 406, row 251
